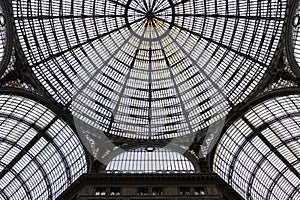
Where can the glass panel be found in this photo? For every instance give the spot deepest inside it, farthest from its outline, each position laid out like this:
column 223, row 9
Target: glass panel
column 41, row 152
column 295, row 26
column 154, row 161
column 2, row 33
column 263, row 163
column 158, row 71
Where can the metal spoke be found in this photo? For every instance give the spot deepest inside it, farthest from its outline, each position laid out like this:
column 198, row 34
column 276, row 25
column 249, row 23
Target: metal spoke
column 84, row 43
column 172, row 6
column 217, row 43
column 46, row 17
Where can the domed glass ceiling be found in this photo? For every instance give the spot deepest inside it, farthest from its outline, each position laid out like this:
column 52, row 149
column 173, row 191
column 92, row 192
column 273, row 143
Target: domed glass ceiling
column 259, row 153
column 149, row 68
column 40, row 155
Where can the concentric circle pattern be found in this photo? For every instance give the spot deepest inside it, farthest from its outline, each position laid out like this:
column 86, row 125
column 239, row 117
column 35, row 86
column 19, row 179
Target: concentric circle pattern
column 259, row 153
column 40, row 154
column 149, row 68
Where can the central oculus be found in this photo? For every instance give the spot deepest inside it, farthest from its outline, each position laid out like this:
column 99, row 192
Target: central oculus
column 150, row 15
column 150, row 20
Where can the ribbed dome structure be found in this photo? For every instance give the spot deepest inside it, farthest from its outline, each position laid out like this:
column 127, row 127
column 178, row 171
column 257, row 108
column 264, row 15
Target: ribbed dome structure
column 149, row 69
column 40, row 155
column 95, row 89
column 258, row 155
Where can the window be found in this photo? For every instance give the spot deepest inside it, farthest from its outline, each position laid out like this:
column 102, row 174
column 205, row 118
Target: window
column 157, row 191
column 200, row 191
column 185, row 191
column 141, row 160
column 49, row 153
column 259, row 153
column 100, row 192
column 115, row 191
column 142, row 191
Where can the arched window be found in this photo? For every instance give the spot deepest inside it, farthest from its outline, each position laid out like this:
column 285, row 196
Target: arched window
column 40, row 155
column 150, row 160
column 258, row 154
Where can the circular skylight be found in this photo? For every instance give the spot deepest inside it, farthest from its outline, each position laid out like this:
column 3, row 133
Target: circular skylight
column 150, row 20
column 258, row 154
column 40, row 154
column 149, row 68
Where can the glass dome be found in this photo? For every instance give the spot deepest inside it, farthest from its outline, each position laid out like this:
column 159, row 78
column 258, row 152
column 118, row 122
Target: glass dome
column 258, row 154
column 40, row 154
column 149, row 69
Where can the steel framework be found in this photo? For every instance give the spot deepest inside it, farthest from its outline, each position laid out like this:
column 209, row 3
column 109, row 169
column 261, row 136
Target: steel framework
column 144, row 86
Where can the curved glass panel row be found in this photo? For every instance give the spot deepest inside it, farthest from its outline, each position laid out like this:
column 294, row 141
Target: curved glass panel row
column 150, row 160
column 40, row 154
column 295, row 39
column 158, row 69
column 2, row 33
column 5, row 37
column 259, row 153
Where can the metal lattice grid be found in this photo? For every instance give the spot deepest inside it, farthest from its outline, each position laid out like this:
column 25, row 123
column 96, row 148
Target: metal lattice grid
column 150, row 160
column 40, row 154
column 5, row 36
column 293, row 38
column 149, row 69
column 2, row 33
column 259, row 155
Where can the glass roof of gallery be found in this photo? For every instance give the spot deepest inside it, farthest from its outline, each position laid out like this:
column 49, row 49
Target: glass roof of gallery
column 5, row 37
column 293, row 39
column 146, row 160
column 258, row 155
column 40, row 154
column 149, row 68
